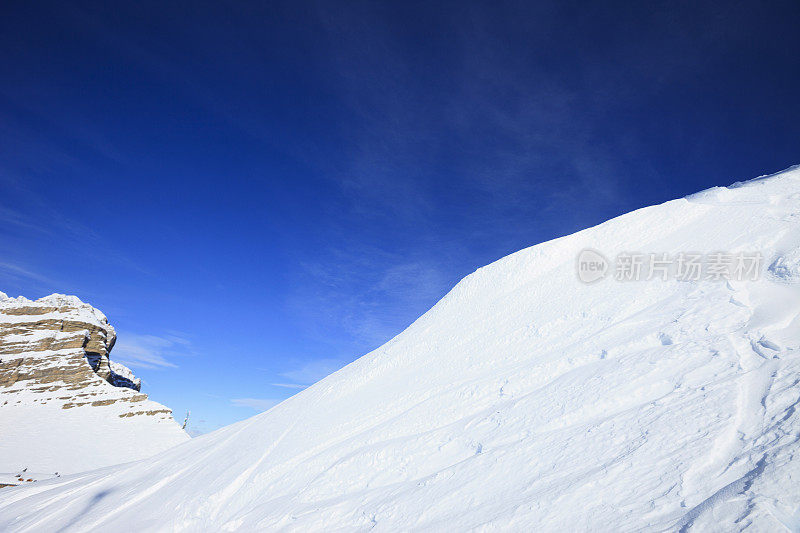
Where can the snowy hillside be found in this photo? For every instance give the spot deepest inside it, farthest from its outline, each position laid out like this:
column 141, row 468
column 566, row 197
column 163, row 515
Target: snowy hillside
column 524, row 400
column 64, row 406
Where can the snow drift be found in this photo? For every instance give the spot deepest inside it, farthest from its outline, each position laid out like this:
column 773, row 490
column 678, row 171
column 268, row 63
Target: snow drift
column 523, row 400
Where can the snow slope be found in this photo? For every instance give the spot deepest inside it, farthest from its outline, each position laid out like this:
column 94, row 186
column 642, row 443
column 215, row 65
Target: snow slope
column 524, row 400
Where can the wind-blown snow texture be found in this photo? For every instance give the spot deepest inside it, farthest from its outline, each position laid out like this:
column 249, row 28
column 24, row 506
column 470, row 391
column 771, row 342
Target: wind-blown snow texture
column 523, row 400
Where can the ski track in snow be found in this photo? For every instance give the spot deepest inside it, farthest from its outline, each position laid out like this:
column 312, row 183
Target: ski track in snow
column 524, row 400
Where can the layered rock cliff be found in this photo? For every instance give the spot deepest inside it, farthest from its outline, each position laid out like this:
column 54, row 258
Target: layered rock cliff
column 56, row 376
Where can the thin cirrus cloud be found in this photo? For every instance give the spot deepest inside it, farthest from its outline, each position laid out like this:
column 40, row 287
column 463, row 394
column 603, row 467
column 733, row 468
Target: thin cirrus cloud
column 17, row 271
column 289, row 385
column 40, row 233
column 313, row 371
column 299, row 378
column 355, row 305
column 308, row 373
column 258, row 404
column 151, row 351
column 12, row 217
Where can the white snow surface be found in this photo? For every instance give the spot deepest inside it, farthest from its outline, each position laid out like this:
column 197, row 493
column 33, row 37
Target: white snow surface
column 123, row 371
column 46, row 438
column 524, row 400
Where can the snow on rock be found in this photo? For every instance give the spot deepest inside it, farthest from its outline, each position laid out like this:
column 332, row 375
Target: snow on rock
column 64, row 406
column 122, row 376
column 524, row 400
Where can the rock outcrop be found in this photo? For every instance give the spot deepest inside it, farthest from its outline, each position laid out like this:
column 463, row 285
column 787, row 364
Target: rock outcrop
column 55, row 367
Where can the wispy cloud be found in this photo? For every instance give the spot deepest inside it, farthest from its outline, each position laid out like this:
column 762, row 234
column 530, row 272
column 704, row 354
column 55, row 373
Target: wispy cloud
column 150, row 351
column 514, row 135
column 307, row 373
column 360, row 297
column 23, row 272
column 38, row 234
column 12, row 217
column 289, row 385
column 489, row 146
column 257, row 404
column 313, row 371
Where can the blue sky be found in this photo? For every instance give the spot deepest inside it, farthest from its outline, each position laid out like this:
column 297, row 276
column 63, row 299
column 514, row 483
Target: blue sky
column 258, row 193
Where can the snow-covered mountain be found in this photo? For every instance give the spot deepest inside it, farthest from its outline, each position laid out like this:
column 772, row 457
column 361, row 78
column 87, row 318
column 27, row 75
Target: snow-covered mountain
column 64, row 406
column 524, row 400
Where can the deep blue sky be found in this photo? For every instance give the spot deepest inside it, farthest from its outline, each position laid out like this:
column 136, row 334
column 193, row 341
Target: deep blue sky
column 258, row 193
